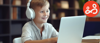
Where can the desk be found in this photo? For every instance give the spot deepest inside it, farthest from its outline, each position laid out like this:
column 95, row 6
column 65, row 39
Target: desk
column 91, row 39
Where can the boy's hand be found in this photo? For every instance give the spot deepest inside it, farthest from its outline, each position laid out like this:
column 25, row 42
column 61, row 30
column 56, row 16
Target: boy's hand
column 54, row 40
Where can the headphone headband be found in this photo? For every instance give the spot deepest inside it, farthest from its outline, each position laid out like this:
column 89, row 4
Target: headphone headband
column 28, row 4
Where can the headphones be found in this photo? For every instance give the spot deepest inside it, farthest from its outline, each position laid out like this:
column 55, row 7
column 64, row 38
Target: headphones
column 30, row 13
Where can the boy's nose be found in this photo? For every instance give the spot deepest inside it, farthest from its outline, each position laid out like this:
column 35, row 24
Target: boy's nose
column 45, row 14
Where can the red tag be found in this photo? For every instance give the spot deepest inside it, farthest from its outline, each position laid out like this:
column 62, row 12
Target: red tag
column 91, row 8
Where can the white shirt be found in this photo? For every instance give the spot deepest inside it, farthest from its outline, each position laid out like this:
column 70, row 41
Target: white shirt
column 31, row 32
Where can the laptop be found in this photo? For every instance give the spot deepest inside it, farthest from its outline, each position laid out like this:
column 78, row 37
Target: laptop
column 71, row 29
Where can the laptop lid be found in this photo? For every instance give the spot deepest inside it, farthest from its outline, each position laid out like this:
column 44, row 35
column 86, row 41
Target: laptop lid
column 71, row 29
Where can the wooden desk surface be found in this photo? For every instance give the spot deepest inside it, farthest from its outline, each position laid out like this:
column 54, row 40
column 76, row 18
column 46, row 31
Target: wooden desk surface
column 90, row 40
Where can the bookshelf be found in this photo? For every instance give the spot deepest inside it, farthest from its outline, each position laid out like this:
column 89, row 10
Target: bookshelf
column 12, row 18
column 72, row 10
column 10, row 26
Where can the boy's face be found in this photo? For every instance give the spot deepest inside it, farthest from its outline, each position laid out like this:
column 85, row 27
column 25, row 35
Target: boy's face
column 42, row 14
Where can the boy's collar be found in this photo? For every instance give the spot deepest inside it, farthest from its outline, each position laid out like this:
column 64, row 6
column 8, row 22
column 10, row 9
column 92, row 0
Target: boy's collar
column 37, row 27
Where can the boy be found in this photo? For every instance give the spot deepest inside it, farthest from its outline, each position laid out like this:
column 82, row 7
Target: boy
column 38, row 30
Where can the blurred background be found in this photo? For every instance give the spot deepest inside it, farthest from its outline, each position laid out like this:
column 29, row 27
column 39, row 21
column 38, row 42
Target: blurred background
column 12, row 17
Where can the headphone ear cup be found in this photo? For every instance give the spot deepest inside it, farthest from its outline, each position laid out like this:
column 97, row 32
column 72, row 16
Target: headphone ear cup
column 33, row 13
column 30, row 14
column 49, row 11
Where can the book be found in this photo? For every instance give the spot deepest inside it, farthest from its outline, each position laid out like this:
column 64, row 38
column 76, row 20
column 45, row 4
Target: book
column 91, row 39
column 11, row 15
column 16, row 2
column 1, row 2
column 16, row 13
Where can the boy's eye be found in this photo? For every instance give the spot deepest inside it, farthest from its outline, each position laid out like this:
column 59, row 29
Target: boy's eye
column 41, row 11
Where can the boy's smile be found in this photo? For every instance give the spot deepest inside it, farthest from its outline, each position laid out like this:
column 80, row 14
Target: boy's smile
column 44, row 18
